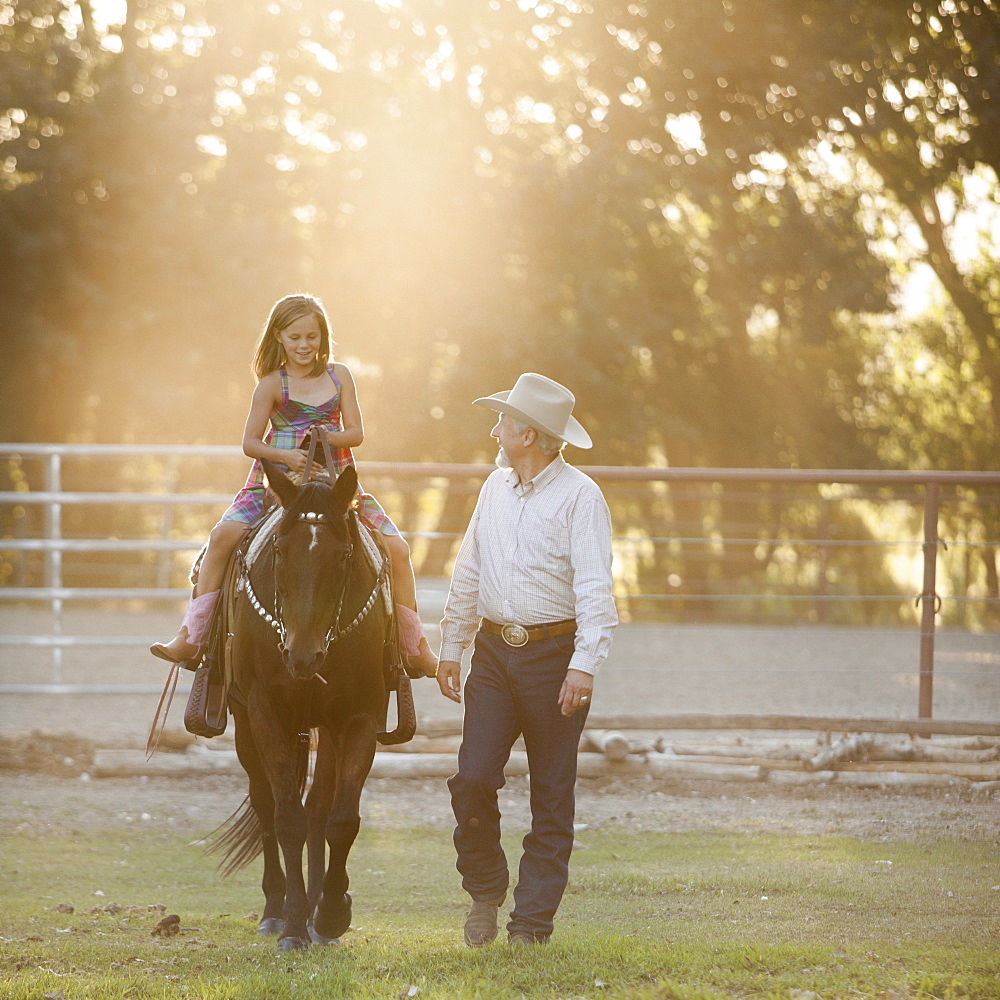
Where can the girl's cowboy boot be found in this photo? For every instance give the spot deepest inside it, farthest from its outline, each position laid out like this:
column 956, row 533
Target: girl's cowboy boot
column 420, row 660
column 193, row 632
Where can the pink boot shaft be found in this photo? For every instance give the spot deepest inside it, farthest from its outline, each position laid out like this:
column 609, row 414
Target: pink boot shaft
column 410, row 629
column 198, row 616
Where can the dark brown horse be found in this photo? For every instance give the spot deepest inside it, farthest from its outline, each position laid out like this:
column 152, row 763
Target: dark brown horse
column 310, row 626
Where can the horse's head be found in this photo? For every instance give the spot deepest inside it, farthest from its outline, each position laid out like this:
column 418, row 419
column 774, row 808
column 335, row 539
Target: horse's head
column 313, row 545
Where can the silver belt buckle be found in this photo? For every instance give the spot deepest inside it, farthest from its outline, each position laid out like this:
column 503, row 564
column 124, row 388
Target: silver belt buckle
column 514, row 635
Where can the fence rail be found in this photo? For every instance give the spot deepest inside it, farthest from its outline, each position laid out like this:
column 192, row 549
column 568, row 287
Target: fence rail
column 50, row 498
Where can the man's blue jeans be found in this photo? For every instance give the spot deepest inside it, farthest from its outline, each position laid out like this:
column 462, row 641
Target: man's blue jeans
column 513, row 692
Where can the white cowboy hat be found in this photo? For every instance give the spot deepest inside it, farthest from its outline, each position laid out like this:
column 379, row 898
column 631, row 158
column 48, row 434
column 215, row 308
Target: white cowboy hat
column 545, row 405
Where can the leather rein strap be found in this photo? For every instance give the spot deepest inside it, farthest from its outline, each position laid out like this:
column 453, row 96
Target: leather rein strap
column 317, row 435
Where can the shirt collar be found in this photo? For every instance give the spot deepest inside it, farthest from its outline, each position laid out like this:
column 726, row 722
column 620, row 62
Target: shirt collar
column 540, row 481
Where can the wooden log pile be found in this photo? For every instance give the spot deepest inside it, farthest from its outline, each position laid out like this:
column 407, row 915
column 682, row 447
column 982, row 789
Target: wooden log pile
column 863, row 759
column 860, row 760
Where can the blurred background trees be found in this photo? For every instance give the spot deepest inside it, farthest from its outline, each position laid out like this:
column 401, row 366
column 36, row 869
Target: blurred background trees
column 744, row 232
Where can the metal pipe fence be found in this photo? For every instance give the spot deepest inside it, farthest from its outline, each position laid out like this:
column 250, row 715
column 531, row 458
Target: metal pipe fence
column 707, row 547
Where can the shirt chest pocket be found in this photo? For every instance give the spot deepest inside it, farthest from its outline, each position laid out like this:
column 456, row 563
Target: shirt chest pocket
column 552, row 534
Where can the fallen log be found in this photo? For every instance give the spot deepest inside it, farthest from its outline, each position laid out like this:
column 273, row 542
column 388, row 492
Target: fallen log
column 975, row 772
column 806, row 723
column 610, row 742
column 802, row 723
column 589, row 765
column 782, row 777
column 746, row 754
column 664, row 765
column 966, row 742
column 924, row 751
column 773, row 750
column 768, row 763
column 849, row 749
column 119, row 763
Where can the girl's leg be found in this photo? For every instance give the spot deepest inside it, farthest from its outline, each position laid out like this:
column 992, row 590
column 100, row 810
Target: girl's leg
column 404, row 589
column 223, row 540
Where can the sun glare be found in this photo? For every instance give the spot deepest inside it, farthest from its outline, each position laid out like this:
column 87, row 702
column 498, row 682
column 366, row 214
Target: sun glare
column 686, row 131
column 108, row 12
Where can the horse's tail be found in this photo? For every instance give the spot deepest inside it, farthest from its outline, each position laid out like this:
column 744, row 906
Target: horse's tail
column 240, row 839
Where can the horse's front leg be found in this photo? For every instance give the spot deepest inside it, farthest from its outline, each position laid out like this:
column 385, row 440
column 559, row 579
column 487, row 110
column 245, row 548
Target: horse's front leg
column 290, row 829
column 283, row 763
column 355, row 753
column 318, row 806
column 273, row 882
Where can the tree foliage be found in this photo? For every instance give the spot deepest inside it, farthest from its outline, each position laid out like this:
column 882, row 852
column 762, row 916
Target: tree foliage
column 703, row 217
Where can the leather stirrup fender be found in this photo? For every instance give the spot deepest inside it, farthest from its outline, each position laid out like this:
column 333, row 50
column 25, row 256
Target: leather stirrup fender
column 406, row 716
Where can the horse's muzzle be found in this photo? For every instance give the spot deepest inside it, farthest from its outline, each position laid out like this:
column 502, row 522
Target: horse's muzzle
column 302, row 664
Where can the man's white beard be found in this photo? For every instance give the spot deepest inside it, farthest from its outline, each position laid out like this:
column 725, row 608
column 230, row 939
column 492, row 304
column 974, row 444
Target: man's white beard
column 503, row 462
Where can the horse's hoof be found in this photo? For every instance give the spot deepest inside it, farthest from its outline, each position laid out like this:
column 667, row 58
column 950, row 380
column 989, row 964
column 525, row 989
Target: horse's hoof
column 292, row 944
column 318, row 938
column 333, row 921
column 270, row 925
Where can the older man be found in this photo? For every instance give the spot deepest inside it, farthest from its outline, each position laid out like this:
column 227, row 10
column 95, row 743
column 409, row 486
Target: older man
column 532, row 588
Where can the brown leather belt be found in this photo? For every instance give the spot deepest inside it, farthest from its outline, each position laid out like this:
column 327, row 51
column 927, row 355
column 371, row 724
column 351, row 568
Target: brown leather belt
column 519, row 635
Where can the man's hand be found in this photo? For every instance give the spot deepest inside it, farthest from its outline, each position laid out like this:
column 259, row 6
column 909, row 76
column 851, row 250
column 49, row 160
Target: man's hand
column 449, row 678
column 575, row 691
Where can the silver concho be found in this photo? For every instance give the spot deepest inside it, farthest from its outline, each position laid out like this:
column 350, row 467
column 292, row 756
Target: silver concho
column 514, row 635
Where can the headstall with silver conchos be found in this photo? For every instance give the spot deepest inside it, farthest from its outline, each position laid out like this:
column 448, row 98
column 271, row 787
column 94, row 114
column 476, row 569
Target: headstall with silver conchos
column 335, row 631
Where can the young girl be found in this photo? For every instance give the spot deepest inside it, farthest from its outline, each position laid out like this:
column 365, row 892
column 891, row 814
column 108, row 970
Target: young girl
column 299, row 388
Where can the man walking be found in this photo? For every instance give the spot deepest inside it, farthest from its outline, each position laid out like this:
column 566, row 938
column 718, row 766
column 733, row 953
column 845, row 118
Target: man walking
column 532, row 588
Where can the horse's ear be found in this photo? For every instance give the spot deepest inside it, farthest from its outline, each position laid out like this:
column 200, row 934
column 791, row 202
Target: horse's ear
column 285, row 489
column 345, row 488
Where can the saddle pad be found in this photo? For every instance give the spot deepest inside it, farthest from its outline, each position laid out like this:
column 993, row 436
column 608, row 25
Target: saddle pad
column 375, row 558
column 261, row 533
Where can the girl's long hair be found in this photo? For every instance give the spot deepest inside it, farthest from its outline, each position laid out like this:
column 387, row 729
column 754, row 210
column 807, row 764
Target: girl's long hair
column 270, row 355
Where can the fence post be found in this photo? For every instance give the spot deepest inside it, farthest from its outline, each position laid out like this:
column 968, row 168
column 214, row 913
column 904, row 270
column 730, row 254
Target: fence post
column 54, row 578
column 928, row 601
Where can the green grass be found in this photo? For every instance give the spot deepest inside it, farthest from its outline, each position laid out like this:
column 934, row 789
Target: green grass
column 647, row 916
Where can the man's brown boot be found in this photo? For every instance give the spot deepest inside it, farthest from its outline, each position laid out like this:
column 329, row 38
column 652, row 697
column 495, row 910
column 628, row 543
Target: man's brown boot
column 520, row 939
column 481, row 923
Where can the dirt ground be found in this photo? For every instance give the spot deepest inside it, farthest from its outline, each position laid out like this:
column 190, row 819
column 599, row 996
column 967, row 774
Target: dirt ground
column 677, row 669
column 45, row 785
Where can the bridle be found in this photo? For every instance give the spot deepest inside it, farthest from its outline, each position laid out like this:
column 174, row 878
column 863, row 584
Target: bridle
column 336, row 630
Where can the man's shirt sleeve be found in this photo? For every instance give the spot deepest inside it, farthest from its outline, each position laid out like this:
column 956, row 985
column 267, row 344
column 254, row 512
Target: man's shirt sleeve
column 591, row 556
